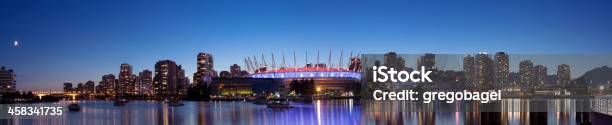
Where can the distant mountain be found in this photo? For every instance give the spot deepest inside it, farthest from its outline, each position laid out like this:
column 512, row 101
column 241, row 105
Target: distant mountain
column 598, row 75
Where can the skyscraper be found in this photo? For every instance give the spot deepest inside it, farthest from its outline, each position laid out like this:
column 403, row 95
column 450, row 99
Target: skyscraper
column 468, row 69
column 79, row 88
column 169, row 79
column 224, row 74
column 428, row 61
column 8, row 82
column 146, row 82
column 204, row 68
column 563, row 75
column 483, row 67
column 235, row 71
column 540, row 73
column 526, row 73
column 125, row 79
column 392, row 60
column 134, row 86
column 183, row 81
column 502, row 69
column 89, row 87
column 108, row 84
column 100, row 88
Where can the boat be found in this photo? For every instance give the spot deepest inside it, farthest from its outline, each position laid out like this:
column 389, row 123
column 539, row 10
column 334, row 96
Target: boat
column 278, row 103
column 279, row 100
column 74, row 107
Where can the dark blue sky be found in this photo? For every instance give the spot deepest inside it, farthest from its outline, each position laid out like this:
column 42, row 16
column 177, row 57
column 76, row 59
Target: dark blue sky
column 79, row 40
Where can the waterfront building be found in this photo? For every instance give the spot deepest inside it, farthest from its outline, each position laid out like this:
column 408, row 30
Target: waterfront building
column 526, row 73
column 125, row 79
column 483, row 67
column 540, row 73
column 204, row 69
column 327, row 79
column 392, row 60
column 146, row 82
column 468, row 69
column 563, row 75
column 79, row 88
column 242, row 87
column 428, row 61
column 68, row 88
column 235, row 71
column 502, row 69
column 169, row 79
column 225, row 74
column 8, row 82
column 108, row 84
column 89, row 87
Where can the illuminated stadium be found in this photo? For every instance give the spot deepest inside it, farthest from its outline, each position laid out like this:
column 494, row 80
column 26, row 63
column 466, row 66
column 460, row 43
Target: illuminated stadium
column 318, row 70
column 312, row 72
column 328, row 80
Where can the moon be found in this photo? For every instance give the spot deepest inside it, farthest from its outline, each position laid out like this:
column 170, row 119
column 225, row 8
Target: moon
column 16, row 43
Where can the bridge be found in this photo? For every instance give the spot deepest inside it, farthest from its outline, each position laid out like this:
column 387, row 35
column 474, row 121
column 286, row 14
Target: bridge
column 40, row 94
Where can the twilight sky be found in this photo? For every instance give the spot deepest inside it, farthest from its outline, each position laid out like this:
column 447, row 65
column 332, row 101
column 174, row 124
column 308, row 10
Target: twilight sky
column 78, row 40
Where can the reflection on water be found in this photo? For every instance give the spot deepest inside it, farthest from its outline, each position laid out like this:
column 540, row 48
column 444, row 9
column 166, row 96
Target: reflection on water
column 321, row 112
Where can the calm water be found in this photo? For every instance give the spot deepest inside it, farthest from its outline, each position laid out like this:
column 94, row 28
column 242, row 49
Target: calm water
column 322, row 112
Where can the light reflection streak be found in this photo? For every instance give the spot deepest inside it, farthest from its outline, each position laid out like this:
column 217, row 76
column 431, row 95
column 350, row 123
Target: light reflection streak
column 318, row 107
column 319, row 112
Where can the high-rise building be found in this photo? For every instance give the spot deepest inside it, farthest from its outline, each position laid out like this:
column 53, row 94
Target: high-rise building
column 146, row 82
column 502, row 69
column 563, row 75
column 100, row 88
column 205, row 69
column 355, row 64
column 169, row 79
column 8, row 82
column 183, row 81
column 540, row 72
column 428, row 61
column 134, row 87
column 125, row 79
column 526, row 73
column 235, row 71
column 68, row 88
column 224, row 74
column 483, row 67
column 89, row 87
column 468, row 69
column 108, row 84
column 79, row 88
column 392, row 60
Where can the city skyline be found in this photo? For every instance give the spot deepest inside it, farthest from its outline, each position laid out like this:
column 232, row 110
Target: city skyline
column 533, row 74
column 64, row 42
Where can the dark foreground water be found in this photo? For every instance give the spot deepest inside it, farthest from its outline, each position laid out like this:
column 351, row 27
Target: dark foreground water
column 322, row 112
